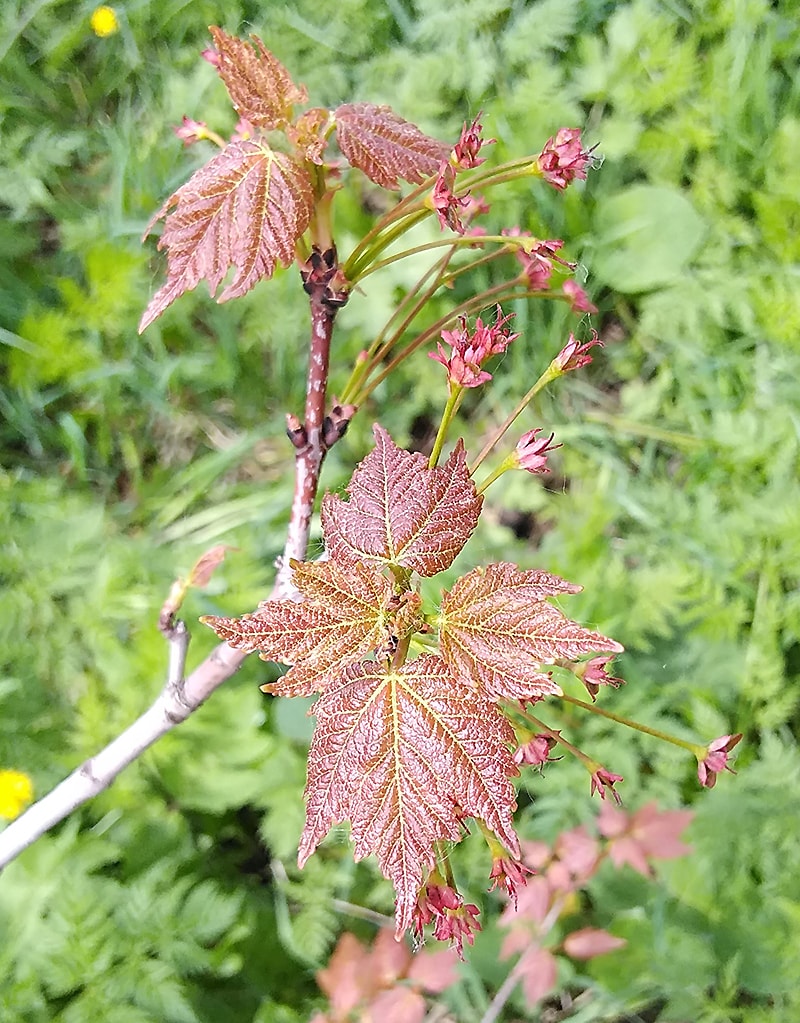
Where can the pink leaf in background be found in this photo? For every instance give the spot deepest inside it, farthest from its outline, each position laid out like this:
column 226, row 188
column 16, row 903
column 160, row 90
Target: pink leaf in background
column 539, row 971
column 591, row 942
column 647, row 834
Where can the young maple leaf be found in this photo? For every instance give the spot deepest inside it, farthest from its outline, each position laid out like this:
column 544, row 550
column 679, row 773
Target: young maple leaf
column 260, row 87
column 648, row 834
column 496, row 630
column 401, row 512
column 538, row 969
column 245, row 208
column 307, row 134
column 344, row 615
column 347, row 980
column 384, row 146
column 406, row 755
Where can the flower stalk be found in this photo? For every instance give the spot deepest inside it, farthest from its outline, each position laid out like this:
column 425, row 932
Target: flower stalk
column 454, row 398
column 550, row 374
column 693, row 747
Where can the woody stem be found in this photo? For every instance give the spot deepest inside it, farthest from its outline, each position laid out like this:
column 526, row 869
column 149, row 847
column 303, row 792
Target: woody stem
column 309, row 457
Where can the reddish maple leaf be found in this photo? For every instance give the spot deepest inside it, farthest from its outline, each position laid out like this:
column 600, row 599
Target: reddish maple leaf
column 401, row 512
column 260, row 87
column 538, row 969
column 590, row 942
column 245, row 208
column 307, row 134
column 384, row 146
column 496, row 630
column 648, row 834
column 343, row 616
column 407, row 750
column 405, row 755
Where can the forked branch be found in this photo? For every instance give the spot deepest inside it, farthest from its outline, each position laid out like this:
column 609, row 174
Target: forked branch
column 181, row 696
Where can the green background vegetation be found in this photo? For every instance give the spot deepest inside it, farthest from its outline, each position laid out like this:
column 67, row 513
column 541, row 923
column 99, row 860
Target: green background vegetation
column 173, row 897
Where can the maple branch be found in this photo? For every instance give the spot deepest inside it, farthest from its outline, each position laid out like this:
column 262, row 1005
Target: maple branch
column 178, row 699
column 181, row 697
column 309, row 456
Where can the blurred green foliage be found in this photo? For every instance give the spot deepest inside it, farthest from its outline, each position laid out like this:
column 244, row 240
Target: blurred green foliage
column 173, row 897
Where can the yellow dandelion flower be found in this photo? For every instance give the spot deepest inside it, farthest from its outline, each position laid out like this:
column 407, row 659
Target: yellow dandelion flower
column 16, row 791
column 104, row 21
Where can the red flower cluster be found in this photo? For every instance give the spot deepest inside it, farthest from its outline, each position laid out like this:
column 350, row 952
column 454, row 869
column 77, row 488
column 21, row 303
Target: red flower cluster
column 463, row 157
column 455, row 921
column 465, row 152
column 190, row 131
column 603, row 781
column 537, row 258
column 579, row 300
column 593, row 674
column 564, row 159
column 445, row 202
column 509, row 874
column 469, row 351
column 535, row 751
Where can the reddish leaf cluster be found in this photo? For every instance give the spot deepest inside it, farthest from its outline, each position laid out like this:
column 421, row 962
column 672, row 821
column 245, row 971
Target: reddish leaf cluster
column 385, row 982
column 407, row 748
column 249, row 206
column 633, row 839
